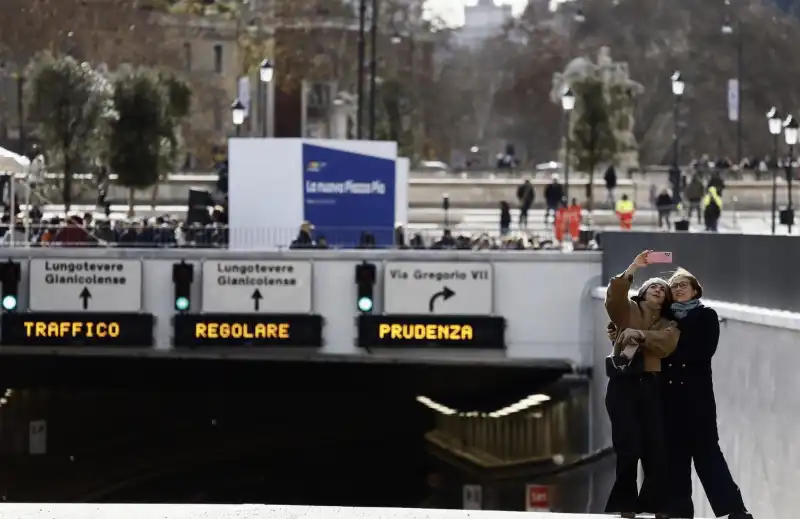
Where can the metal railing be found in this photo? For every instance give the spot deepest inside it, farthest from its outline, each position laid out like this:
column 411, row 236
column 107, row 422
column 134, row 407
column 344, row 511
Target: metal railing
column 217, row 236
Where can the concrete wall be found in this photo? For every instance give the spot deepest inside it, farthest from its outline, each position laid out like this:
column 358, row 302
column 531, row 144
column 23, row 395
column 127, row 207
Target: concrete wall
column 758, row 403
column 478, row 192
column 544, row 296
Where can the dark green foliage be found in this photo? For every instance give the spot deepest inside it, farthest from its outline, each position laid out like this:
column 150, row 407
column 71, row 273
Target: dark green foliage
column 69, row 101
column 592, row 139
column 136, row 136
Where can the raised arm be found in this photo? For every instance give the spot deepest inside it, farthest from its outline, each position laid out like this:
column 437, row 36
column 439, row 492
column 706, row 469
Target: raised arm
column 618, row 304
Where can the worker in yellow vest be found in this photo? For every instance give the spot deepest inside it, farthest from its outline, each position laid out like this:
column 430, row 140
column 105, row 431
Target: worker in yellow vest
column 625, row 209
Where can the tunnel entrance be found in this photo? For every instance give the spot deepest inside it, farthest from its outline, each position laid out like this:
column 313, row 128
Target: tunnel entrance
column 116, row 429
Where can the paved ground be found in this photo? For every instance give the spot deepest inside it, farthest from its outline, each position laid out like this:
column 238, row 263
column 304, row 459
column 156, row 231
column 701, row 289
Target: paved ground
column 476, row 221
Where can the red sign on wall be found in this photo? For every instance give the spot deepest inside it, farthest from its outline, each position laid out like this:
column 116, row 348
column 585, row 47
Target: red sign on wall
column 537, row 498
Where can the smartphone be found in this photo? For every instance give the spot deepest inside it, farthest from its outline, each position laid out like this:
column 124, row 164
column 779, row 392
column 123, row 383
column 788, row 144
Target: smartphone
column 659, row 257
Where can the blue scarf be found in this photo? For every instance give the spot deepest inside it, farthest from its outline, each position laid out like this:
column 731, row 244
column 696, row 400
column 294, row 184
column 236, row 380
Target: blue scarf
column 681, row 310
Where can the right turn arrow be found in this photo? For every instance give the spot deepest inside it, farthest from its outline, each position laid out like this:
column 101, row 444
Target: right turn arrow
column 445, row 293
column 257, row 297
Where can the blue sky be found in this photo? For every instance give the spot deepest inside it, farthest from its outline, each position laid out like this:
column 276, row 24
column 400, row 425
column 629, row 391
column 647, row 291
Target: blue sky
column 452, row 11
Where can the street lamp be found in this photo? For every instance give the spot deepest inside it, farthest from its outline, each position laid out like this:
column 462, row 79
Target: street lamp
column 237, row 115
column 775, row 128
column 678, row 87
column 265, row 72
column 791, row 128
column 579, row 16
column 396, row 38
column 568, row 104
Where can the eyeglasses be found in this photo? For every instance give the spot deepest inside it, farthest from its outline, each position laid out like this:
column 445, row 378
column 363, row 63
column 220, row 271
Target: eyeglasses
column 682, row 285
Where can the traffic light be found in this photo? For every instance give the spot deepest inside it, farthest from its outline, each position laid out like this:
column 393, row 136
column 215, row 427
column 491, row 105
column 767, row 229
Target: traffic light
column 365, row 281
column 182, row 277
column 10, row 274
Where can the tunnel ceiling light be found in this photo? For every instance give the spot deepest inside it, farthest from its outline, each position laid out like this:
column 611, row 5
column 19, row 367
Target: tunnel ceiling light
column 436, row 406
column 526, row 403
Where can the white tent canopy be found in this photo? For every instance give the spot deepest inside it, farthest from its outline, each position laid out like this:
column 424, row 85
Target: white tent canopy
column 12, row 163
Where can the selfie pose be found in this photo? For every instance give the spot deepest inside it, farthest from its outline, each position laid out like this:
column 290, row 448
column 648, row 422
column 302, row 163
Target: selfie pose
column 642, row 334
column 691, row 409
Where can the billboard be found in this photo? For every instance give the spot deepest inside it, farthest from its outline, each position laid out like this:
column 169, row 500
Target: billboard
column 346, row 194
column 343, row 187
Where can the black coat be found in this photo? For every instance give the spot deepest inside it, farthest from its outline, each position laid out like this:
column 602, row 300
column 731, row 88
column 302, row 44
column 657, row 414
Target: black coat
column 689, row 390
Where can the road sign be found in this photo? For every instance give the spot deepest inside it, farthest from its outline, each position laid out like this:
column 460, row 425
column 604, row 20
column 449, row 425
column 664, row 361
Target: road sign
column 93, row 285
column 270, row 287
column 438, row 288
column 37, row 437
column 473, row 497
column 537, row 498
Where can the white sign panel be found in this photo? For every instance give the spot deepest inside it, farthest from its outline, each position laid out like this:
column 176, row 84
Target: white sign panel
column 733, row 99
column 94, row 285
column 37, row 437
column 473, row 497
column 269, row 287
column 433, row 287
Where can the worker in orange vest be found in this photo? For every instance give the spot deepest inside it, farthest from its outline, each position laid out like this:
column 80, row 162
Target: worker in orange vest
column 560, row 222
column 625, row 210
column 574, row 219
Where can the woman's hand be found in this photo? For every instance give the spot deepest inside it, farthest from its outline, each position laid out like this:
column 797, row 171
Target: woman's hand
column 631, row 334
column 638, row 262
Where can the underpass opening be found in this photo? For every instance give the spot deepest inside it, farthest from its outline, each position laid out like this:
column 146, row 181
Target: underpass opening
column 222, row 430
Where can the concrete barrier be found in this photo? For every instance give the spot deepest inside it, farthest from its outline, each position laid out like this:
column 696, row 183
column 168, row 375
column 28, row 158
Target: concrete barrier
column 156, row 511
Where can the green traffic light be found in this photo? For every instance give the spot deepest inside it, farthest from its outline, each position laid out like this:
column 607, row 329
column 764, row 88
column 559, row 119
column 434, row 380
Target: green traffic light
column 365, row 304
column 182, row 303
column 9, row 303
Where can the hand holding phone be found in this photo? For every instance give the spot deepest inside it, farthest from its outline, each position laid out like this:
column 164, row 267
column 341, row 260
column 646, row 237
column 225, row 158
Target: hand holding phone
column 659, row 257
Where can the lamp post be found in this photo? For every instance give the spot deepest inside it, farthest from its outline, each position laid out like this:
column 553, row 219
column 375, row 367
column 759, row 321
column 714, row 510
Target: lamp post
column 790, row 130
column 373, row 70
column 265, row 72
column 567, row 103
column 775, row 127
column 362, row 22
column 237, row 115
column 728, row 29
column 678, row 87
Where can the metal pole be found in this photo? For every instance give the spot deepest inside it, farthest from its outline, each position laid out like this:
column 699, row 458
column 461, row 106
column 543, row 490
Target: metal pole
column 264, row 111
column 362, row 20
column 775, row 183
column 373, row 70
column 12, row 195
column 739, row 70
column 23, row 144
column 789, row 175
column 566, row 159
column 238, row 130
column 675, row 144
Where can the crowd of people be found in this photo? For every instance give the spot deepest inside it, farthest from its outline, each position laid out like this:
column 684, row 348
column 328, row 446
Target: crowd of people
column 660, row 398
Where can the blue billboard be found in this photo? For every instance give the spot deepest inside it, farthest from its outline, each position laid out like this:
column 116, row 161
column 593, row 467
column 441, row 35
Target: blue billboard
column 346, row 194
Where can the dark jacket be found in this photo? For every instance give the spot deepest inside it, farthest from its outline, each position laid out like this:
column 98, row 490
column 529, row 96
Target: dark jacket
column 687, row 372
column 553, row 194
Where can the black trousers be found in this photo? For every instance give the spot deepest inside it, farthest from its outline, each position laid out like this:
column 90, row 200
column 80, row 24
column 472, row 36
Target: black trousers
column 635, row 409
column 691, row 421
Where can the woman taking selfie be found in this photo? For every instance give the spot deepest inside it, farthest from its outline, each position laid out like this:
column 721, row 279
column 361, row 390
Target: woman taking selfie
column 691, row 409
column 642, row 334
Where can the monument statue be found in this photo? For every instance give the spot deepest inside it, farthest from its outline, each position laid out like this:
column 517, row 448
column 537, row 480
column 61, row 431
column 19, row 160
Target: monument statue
column 621, row 91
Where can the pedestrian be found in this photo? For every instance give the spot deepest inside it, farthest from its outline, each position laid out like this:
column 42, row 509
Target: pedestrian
column 505, row 218
column 525, row 196
column 611, row 184
column 690, row 409
column 712, row 209
column 694, row 196
column 553, row 194
column 664, row 205
column 625, row 210
column 643, row 335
